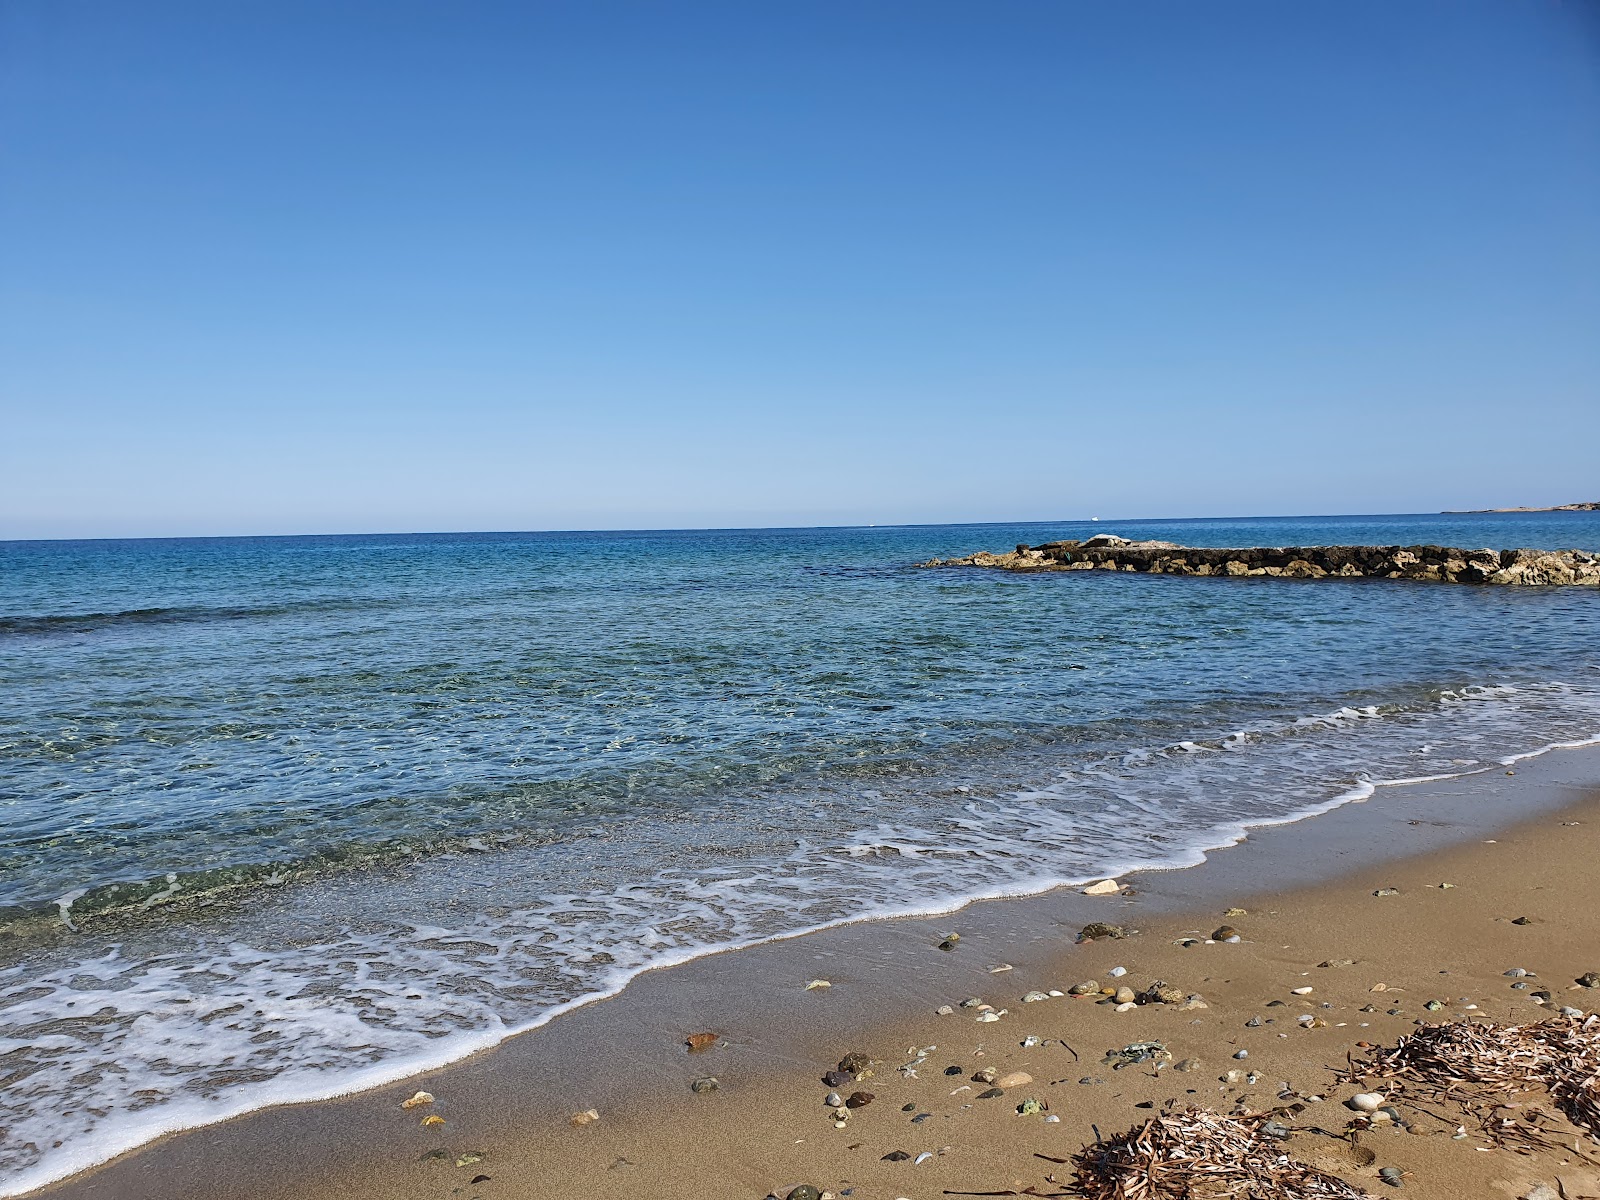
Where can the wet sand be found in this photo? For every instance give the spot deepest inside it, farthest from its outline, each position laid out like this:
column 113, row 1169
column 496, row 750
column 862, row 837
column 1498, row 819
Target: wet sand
column 1517, row 846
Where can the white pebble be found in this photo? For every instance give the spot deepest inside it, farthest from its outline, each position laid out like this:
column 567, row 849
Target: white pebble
column 1117, row 972
column 1366, row 1101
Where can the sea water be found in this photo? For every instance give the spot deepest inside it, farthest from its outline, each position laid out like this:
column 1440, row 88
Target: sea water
column 286, row 817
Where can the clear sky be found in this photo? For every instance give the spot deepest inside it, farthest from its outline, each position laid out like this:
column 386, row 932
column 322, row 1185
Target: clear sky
column 278, row 266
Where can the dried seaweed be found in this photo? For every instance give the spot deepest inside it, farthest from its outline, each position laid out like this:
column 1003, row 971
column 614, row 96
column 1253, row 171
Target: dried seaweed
column 1479, row 1065
column 1199, row 1153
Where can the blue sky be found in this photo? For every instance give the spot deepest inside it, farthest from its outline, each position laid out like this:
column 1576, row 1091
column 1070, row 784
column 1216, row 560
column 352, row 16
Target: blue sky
column 277, row 267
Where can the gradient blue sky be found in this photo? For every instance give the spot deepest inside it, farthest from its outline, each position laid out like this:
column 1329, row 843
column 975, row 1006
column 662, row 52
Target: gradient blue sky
column 276, row 267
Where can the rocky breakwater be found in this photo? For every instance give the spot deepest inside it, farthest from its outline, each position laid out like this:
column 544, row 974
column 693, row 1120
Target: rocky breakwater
column 1442, row 564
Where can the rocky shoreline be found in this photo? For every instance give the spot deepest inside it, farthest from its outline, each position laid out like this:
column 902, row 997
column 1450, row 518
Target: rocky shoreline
column 1440, row 564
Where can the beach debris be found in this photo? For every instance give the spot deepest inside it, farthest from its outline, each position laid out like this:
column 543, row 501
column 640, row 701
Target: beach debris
column 985, row 1075
column 804, row 1192
column 944, row 1010
column 988, row 1017
column 700, row 1041
column 1095, row 930
column 1014, row 1079
column 1030, row 1107
column 895, row 1156
column 1106, row 887
column 467, row 1158
column 1236, row 912
column 418, row 1100
column 1433, row 1005
column 1366, row 1102
column 1393, row 1175
column 480, row 1179
column 1301, row 991
column 949, row 942
column 818, row 985
column 972, row 1002
column 1031, row 1040
column 993, row 1093
column 1445, row 886
column 1186, row 1065
column 1515, row 973
column 1135, row 1053
column 1001, row 969
column 1387, row 891
column 432, row 1121
column 587, row 1117
column 1193, row 1002
column 1476, row 1064
column 856, row 1064
column 859, row 1099
column 1198, row 1152
column 1337, row 962
column 925, row 1156
column 1035, row 997
column 1225, row 933
column 1522, row 920
column 705, row 1085
column 1589, row 979
column 1161, row 992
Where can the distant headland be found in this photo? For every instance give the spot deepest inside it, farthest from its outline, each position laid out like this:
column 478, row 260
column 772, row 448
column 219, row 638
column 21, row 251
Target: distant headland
column 1591, row 506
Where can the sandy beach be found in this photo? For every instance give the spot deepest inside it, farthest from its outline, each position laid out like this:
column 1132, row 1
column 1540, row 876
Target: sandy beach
column 1354, row 959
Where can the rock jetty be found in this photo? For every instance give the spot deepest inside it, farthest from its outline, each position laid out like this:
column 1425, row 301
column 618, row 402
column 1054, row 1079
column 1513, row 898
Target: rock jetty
column 1441, row 564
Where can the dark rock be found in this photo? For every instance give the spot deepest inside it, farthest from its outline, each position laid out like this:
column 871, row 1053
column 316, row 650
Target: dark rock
column 952, row 1070
column 991, row 1094
column 859, row 1099
column 896, row 1156
column 1095, row 930
column 1589, row 979
column 705, row 1085
column 1224, row 933
column 805, row 1192
column 908, row 1108
column 858, row 1064
column 835, row 1079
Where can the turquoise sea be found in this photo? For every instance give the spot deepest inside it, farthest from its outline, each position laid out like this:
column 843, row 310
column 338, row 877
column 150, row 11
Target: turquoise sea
column 281, row 817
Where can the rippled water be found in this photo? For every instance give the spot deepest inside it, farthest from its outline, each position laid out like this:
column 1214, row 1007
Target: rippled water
column 289, row 816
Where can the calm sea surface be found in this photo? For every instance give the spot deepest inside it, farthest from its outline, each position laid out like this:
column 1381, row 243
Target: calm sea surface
column 283, row 816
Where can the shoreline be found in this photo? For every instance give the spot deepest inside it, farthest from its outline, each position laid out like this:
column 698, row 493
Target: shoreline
column 321, row 1136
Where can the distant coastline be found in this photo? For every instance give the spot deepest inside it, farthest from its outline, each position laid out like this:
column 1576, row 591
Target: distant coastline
column 1590, row 506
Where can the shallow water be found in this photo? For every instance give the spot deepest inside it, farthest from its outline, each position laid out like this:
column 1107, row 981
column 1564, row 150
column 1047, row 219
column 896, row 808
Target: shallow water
column 441, row 786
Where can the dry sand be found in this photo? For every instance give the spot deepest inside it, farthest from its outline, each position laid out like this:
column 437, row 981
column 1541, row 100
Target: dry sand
column 506, row 1128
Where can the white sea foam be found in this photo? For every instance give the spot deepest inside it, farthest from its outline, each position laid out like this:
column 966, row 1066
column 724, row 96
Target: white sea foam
column 112, row 1045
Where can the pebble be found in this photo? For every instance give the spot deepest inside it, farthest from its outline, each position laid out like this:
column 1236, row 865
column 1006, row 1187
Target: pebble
column 1194, row 1002
column 1029, row 1108
column 925, row 1156
column 1589, row 979
column 1225, row 933
column 1089, row 987
column 836, row 1079
column 1568, row 1011
column 859, row 1099
column 587, row 1117
column 895, row 1156
column 833, row 1100
column 1186, row 1065
column 1433, row 1006
column 908, row 1108
column 988, row 1017
column 1126, row 1006
column 705, row 1085
column 985, row 1075
column 1106, row 887
column 1516, row 973
column 944, row 1010
column 1366, row 1102
column 1301, row 991
column 1035, row 997
column 1242, row 1054
column 1387, row 892
column 1124, row 995
column 991, row 1093
column 805, row 1192
column 1096, row 930
column 971, row 1002
column 418, row 1100
column 1117, row 972
column 1015, row 1079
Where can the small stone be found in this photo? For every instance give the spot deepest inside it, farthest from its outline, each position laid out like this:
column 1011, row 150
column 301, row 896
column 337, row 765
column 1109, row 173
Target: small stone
column 1225, row 933
column 705, row 1085
column 1124, row 995
column 1338, row 962
column 971, row 1002
column 805, row 1192
column 1162, row 992
column 985, row 1075
column 947, row 944
column 1236, row 912
column 1241, row 1054
column 1589, row 979
column 1089, row 987
column 1126, row 1006
column 418, row 1100
column 1387, row 892
column 836, row 1079
column 818, row 985
column 1522, row 920
column 989, row 1017
column 587, row 1117
column 1117, row 972
column 859, row 1099
column 1029, row 1107
column 698, row 1042
column 1367, row 1102
column 944, row 1010
column 1035, row 997
column 833, row 1100
column 1106, row 887
column 1014, row 1079
column 432, row 1121
column 1301, row 991
column 1568, row 1011
column 991, row 1093
column 1234, row 1078
column 1515, row 973
column 857, row 1064
column 908, row 1108
column 1090, row 1080
column 1433, row 1006
column 1095, row 930
column 1186, row 1065
column 896, row 1156
column 1193, row 1003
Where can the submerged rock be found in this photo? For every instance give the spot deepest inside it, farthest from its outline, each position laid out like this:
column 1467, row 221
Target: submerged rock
column 1095, row 930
